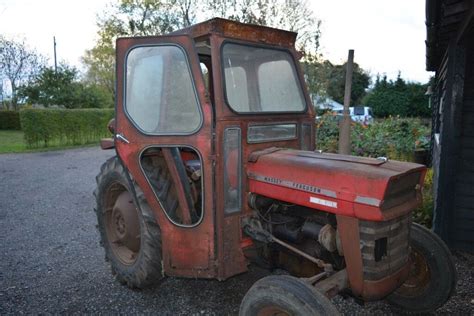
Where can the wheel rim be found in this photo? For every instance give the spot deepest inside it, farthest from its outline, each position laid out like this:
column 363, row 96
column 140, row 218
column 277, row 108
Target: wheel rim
column 273, row 311
column 122, row 224
column 419, row 277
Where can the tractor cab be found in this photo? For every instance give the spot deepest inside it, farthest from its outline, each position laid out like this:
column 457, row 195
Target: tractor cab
column 192, row 106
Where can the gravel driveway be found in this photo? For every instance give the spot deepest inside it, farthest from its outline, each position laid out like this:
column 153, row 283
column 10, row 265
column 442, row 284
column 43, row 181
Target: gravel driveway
column 52, row 263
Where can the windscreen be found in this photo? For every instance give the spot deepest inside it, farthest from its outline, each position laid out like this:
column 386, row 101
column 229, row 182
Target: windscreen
column 261, row 80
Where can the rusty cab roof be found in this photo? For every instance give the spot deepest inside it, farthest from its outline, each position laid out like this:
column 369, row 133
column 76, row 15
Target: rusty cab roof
column 240, row 31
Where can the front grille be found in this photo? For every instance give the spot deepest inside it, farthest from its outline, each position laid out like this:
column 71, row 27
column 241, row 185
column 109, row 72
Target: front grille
column 384, row 246
column 401, row 190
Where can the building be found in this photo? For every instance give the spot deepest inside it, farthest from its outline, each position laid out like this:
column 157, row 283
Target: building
column 325, row 103
column 450, row 53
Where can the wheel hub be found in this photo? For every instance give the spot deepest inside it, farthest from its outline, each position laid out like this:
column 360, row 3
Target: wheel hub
column 120, row 228
column 419, row 277
column 273, row 311
column 123, row 226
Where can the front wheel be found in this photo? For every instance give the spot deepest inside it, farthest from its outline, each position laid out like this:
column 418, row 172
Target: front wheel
column 285, row 295
column 432, row 278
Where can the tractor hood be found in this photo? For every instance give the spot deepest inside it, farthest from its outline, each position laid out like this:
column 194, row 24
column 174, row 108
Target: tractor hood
column 366, row 188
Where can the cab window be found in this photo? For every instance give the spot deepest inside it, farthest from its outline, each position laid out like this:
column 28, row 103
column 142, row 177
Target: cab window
column 160, row 95
column 261, row 79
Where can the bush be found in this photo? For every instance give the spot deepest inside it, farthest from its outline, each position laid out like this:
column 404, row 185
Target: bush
column 47, row 127
column 394, row 137
column 424, row 214
column 10, row 120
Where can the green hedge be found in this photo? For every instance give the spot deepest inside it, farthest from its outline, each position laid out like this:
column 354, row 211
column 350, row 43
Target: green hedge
column 10, row 120
column 393, row 137
column 62, row 127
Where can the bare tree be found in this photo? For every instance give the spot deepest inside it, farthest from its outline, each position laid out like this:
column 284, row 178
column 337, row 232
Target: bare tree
column 131, row 18
column 187, row 11
column 292, row 15
column 18, row 64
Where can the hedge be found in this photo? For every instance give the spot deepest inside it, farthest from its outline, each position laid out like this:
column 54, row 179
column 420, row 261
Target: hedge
column 10, row 120
column 394, row 137
column 62, row 127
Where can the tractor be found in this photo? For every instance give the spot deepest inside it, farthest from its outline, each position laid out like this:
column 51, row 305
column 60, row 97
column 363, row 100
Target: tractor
column 216, row 168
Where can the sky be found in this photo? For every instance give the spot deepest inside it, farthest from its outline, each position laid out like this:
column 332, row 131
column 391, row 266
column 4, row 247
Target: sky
column 387, row 36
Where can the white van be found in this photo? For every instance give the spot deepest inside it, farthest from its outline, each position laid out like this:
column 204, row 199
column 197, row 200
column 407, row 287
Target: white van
column 361, row 114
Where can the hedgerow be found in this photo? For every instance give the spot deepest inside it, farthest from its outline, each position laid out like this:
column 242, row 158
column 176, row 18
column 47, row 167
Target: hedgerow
column 393, row 137
column 9, row 120
column 62, row 127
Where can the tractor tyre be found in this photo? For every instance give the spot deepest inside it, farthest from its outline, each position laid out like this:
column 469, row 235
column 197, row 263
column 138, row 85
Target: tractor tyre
column 285, row 295
column 128, row 230
column 432, row 278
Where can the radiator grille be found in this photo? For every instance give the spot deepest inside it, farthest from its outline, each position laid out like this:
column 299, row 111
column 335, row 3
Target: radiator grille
column 401, row 190
column 384, row 246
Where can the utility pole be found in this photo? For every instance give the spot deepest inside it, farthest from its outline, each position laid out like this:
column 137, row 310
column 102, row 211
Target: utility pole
column 55, row 62
column 345, row 126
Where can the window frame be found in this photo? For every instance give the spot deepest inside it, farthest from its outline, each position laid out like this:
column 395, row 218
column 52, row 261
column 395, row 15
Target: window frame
column 193, row 84
column 299, row 83
column 203, row 188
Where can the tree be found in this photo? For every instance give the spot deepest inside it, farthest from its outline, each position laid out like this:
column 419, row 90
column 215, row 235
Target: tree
column 316, row 75
column 131, row 18
column 61, row 87
column 18, row 64
column 337, row 81
column 187, row 9
column 156, row 17
column 398, row 98
column 291, row 15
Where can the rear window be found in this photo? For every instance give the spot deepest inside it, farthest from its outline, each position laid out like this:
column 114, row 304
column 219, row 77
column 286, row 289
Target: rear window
column 261, row 80
column 359, row 110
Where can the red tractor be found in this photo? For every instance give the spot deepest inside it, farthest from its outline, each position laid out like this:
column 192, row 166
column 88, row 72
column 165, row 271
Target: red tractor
column 215, row 168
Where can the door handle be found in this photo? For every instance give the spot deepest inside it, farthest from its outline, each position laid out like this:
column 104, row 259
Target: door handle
column 122, row 138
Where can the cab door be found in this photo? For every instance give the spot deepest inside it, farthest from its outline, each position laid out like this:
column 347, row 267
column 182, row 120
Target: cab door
column 163, row 112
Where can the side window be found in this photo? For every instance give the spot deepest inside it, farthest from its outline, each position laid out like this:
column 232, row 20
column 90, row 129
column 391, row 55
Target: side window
column 160, row 95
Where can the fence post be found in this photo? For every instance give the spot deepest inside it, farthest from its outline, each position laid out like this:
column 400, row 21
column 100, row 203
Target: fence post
column 345, row 126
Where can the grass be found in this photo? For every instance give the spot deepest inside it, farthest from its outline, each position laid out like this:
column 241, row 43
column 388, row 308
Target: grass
column 13, row 142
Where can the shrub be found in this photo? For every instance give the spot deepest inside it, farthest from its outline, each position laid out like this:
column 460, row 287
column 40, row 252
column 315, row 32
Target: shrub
column 424, row 214
column 10, row 120
column 393, row 137
column 47, row 127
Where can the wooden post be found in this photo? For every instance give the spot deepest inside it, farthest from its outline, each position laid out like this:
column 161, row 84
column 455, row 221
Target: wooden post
column 345, row 126
column 55, row 62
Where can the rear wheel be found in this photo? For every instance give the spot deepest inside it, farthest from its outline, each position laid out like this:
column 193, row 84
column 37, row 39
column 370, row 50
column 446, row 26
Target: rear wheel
column 285, row 295
column 128, row 230
column 432, row 278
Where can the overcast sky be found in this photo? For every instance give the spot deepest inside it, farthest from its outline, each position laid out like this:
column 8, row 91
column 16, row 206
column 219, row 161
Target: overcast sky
column 388, row 36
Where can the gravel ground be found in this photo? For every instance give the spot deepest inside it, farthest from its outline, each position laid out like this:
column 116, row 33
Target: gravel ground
column 52, row 263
